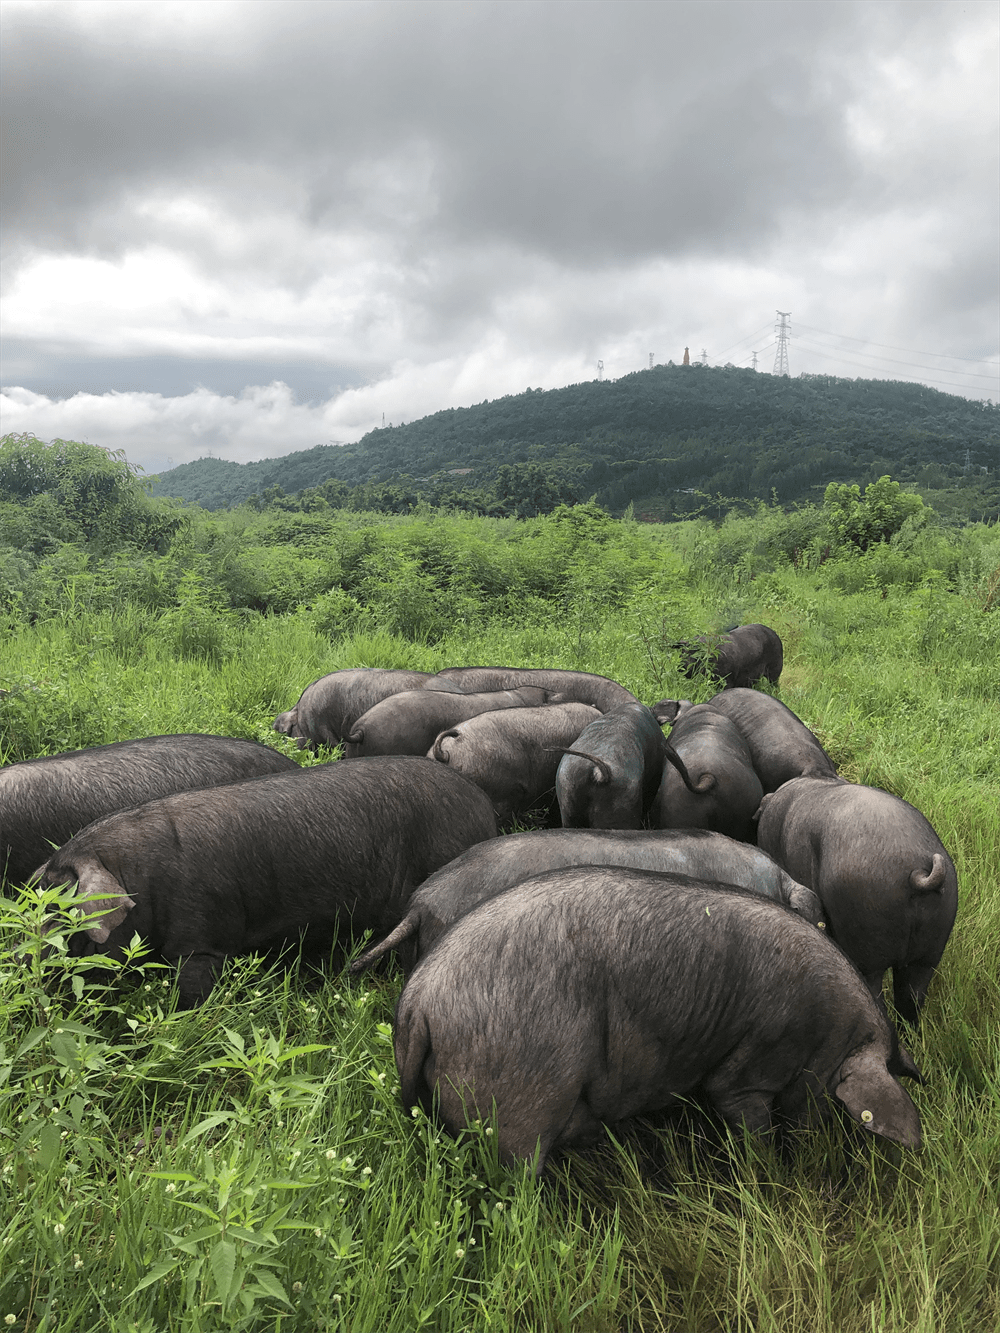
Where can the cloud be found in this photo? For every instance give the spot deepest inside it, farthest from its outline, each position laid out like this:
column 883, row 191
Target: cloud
column 436, row 199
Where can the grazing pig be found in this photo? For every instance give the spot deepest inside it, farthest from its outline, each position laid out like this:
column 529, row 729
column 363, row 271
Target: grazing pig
column 408, row 723
column 887, row 885
column 513, row 755
column 320, row 852
column 330, row 706
column 570, row 686
column 739, row 657
column 43, row 802
column 726, row 791
column 781, row 746
column 610, row 776
column 493, row 867
column 585, row 996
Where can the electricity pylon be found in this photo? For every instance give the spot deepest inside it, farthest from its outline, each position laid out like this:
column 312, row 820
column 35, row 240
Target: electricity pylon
column 781, row 352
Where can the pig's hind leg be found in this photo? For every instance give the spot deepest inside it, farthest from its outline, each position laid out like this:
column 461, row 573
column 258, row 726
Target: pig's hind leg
column 527, row 1134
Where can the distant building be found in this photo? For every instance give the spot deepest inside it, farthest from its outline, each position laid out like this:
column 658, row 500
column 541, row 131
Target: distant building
column 687, row 357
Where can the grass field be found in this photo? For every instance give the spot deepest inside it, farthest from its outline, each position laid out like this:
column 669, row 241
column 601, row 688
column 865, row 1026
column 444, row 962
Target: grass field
column 248, row 1165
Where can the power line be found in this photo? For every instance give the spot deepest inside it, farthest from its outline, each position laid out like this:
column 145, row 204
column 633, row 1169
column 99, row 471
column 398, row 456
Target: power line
column 838, row 356
column 913, row 365
column 837, row 353
column 751, row 337
column 975, row 360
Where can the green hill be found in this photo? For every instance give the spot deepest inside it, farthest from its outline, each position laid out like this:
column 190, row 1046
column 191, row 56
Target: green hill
column 653, row 439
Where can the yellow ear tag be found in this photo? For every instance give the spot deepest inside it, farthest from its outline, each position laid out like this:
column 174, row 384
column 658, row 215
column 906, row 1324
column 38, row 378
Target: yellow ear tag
column 866, row 1117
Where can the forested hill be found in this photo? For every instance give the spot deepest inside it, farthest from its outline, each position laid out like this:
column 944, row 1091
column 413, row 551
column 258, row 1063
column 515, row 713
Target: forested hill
column 652, row 438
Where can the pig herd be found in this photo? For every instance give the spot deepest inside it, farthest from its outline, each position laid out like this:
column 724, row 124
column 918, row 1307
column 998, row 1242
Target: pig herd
column 714, row 917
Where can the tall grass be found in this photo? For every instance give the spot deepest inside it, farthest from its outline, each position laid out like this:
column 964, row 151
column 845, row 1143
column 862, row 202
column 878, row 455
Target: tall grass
column 248, row 1165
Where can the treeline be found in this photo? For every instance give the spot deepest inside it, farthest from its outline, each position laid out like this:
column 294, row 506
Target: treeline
column 671, row 441
column 78, row 529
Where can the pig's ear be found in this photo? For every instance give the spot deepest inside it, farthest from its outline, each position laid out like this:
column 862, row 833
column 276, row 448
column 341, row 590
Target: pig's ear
column 100, row 892
column 666, row 711
column 902, row 1064
column 874, row 1098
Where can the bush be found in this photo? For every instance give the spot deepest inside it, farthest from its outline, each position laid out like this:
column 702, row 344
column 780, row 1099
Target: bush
column 860, row 523
column 197, row 627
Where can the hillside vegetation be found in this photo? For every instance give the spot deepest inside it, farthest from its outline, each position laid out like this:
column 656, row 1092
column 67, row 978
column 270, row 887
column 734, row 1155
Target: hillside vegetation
column 670, row 441
column 247, row 1165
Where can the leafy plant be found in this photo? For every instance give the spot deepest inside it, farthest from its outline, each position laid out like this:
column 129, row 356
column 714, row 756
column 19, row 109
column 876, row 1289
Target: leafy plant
column 860, row 522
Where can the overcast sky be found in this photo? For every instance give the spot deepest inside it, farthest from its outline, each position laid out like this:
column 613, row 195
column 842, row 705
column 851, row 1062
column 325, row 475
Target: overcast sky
column 249, row 227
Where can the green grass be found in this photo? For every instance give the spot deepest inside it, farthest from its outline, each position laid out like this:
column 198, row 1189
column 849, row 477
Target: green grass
column 248, row 1165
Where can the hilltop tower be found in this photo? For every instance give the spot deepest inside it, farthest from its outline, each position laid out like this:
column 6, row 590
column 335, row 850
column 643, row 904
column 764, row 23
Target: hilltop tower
column 781, row 351
column 687, row 357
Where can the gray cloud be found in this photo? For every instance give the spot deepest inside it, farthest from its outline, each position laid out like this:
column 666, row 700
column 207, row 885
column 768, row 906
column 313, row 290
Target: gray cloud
column 342, row 193
column 596, row 131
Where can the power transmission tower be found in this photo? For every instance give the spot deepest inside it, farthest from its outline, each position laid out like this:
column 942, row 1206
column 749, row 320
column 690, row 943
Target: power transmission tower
column 781, row 352
column 651, row 360
column 600, row 370
column 704, row 357
column 754, row 355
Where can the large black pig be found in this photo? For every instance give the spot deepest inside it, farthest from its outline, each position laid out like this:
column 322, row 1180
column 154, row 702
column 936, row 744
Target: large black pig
column 725, row 792
column 781, row 745
column 563, row 686
column 610, row 776
column 887, row 884
column 493, row 867
column 328, row 708
column 43, row 802
column 513, row 753
column 408, row 723
column 248, row 867
column 586, row 996
column 739, row 657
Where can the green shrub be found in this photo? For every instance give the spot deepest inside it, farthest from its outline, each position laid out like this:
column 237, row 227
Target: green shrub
column 197, row 627
column 858, row 522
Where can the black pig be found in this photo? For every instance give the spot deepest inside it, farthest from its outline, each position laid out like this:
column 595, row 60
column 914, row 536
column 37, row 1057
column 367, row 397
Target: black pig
column 610, row 776
column 493, row 867
column 408, row 723
column 328, row 708
column 563, row 686
column 781, row 746
column 245, row 868
column 739, row 657
column 43, row 802
column 513, row 753
column 586, row 996
column 726, row 791
column 887, row 884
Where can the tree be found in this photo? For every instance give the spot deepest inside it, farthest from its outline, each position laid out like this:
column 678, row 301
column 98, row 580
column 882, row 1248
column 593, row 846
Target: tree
column 875, row 518
column 69, row 491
